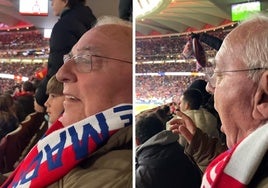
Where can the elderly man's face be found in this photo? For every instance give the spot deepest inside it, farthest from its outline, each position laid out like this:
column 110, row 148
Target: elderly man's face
column 107, row 83
column 233, row 92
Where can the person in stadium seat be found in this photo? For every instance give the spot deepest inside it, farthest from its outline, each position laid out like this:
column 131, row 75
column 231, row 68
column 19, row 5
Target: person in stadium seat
column 54, row 103
column 8, row 119
column 75, row 19
column 208, row 102
column 91, row 144
column 239, row 83
column 25, row 100
column 190, row 104
column 37, row 125
column 160, row 159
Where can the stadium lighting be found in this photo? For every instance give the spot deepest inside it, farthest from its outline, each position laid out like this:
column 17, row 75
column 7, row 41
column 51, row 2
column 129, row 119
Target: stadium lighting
column 171, row 74
column 47, row 33
column 145, row 7
column 14, row 77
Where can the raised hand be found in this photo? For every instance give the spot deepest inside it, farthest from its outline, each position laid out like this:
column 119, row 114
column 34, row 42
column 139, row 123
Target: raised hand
column 183, row 126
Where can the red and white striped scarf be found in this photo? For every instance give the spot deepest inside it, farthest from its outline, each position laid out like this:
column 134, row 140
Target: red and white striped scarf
column 236, row 167
column 64, row 147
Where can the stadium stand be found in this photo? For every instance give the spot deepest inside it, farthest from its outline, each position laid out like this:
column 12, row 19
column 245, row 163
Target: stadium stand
column 161, row 71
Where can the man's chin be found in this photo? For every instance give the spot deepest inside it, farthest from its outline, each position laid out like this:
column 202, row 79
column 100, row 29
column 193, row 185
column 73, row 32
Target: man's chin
column 69, row 118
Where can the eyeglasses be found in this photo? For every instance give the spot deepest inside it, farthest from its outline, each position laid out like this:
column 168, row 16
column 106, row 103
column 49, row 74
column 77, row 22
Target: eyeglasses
column 84, row 62
column 210, row 73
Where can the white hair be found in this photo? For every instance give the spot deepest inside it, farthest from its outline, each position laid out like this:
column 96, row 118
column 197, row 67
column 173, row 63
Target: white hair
column 254, row 44
column 104, row 20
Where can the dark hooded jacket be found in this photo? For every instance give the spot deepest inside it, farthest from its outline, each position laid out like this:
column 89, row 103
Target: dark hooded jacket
column 161, row 162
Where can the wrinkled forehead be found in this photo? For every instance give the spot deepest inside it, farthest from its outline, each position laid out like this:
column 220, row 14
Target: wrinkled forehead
column 239, row 36
column 230, row 50
column 109, row 39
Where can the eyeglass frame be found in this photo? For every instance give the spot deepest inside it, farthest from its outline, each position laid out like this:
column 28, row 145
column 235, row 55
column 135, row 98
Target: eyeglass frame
column 212, row 81
column 69, row 57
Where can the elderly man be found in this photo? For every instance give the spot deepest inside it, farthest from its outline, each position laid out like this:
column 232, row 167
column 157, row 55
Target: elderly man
column 239, row 83
column 90, row 145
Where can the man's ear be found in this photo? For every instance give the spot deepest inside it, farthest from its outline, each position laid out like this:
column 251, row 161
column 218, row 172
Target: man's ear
column 260, row 110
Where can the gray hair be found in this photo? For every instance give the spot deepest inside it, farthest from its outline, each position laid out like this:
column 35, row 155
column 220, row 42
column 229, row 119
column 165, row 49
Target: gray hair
column 112, row 20
column 254, row 44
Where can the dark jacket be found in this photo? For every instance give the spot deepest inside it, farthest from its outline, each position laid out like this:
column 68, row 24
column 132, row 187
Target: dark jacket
column 7, row 125
column 72, row 24
column 161, row 162
column 125, row 9
column 25, row 105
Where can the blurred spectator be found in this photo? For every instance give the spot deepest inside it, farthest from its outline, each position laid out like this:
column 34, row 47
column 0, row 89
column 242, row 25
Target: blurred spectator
column 200, row 84
column 164, row 114
column 173, row 107
column 208, row 102
column 8, row 121
column 11, row 103
column 190, row 104
column 38, row 108
column 25, row 100
column 41, row 73
column 160, row 160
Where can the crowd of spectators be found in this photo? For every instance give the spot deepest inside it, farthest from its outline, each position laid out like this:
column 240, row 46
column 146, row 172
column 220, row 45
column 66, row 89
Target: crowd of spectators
column 16, row 40
column 169, row 48
column 161, row 55
column 161, row 89
column 20, row 64
column 148, row 88
column 189, row 66
column 19, row 70
column 23, row 69
column 29, row 43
